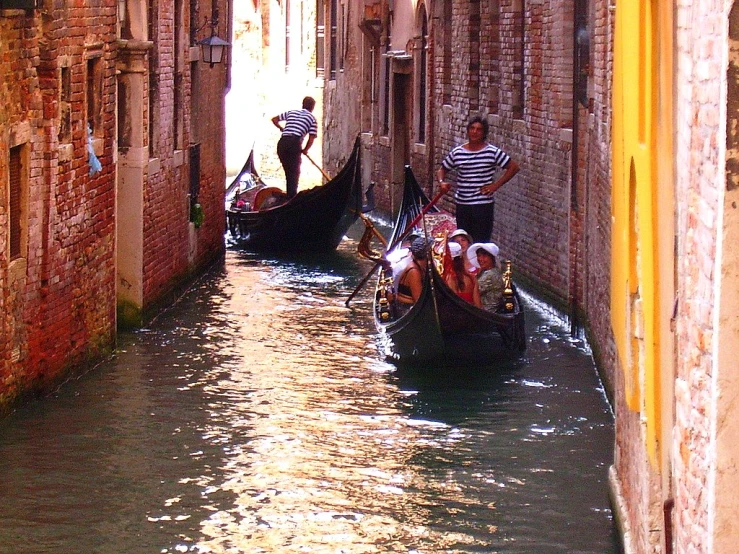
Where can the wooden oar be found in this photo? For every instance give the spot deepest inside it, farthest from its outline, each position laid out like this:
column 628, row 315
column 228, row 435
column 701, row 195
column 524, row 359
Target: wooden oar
column 366, row 219
column 404, row 234
column 317, row 166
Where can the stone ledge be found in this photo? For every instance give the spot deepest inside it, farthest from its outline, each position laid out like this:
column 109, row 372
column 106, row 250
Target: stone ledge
column 155, row 165
column 65, row 152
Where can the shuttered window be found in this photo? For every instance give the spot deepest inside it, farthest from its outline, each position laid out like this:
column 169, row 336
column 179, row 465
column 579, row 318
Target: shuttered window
column 15, row 185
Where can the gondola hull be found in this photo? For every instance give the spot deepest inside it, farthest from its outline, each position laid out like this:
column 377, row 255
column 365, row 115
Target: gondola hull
column 315, row 220
column 441, row 328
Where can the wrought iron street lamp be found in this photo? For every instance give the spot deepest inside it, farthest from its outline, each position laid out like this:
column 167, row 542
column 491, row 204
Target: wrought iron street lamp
column 213, row 47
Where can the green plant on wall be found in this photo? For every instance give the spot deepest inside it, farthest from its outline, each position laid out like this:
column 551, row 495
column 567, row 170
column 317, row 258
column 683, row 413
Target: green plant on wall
column 197, row 216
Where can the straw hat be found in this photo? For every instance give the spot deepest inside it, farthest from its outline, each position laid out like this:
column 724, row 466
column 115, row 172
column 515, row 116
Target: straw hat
column 489, row 247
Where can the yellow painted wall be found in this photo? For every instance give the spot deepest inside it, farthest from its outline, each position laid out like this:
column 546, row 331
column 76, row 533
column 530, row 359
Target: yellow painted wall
column 642, row 163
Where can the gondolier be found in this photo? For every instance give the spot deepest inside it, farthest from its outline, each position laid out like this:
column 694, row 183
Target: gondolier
column 476, row 163
column 298, row 124
column 314, row 220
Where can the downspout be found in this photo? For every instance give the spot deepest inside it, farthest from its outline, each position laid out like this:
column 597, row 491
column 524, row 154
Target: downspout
column 573, row 253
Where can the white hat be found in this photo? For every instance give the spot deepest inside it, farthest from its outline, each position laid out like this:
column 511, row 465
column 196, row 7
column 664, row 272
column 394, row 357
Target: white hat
column 454, row 249
column 489, row 247
column 460, row 233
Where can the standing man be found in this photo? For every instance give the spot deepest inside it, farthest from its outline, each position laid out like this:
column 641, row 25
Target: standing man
column 298, row 123
column 476, row 163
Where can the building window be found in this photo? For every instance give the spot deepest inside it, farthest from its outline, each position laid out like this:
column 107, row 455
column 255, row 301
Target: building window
column 387, row 61
column 446, row 72
column 344, row 31
column 582, row 51
column 490, row 59
column 153, row 114
column 333, row 47
column 385, row 131
column 473, row 75
column 422, row 77
column 65, row 105
column 519, row 65
column 16, row 202
column 153, row 92
column 94, row 96
column 320, row 38
column 287, row 35
column 18, row 4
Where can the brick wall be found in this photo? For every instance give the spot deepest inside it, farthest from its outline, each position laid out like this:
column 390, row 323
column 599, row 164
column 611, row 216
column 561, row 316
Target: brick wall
column 485, row 58
column 59, row 295
column 700, row 73
column 173, row 249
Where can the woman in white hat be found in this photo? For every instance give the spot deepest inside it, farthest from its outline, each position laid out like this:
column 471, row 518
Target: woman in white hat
column 459, row 279
column 489, row 278
column 463, row 239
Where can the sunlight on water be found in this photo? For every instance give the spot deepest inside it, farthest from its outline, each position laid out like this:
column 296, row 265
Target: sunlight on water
column 258, row 416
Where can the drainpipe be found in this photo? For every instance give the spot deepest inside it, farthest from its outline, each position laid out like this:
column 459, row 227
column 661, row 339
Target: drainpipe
column 573, row 254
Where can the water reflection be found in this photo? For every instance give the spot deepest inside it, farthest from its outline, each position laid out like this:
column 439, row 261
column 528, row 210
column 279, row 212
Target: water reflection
column 257, row 416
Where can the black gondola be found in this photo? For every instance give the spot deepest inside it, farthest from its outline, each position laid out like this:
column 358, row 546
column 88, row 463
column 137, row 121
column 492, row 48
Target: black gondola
column 315, row 220
column 440, row 327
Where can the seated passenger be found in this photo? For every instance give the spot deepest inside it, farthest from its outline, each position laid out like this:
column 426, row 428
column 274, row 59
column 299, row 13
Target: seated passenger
column 410, row 281
column 400, row 257
column 463, row 239
column 459, row 279
column 489, row 277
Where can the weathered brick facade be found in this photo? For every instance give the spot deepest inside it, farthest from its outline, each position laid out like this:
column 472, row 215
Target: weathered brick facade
column 59, row 286
column 514, row 63
column 705, row 461
column 73, row 74
column 520, row 64
column 174, row 156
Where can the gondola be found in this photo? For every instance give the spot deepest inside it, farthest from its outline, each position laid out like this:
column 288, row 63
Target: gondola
column 440, row 327
column 315, row 220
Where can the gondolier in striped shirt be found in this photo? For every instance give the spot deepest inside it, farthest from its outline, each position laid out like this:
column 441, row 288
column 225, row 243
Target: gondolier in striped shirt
column 298, row 123
column 476, row 164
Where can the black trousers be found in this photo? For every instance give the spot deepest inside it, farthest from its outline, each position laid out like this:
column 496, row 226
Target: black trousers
column 289, row 149
column 477, row 220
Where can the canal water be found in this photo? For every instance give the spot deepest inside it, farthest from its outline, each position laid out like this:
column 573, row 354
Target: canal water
column 258, row 416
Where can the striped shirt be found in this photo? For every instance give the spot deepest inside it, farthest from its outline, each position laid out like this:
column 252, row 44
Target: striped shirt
column 474, row 170
column 298, row 123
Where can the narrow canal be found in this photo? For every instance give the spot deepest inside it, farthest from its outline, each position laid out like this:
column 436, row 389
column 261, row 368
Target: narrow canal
column 257, row 416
